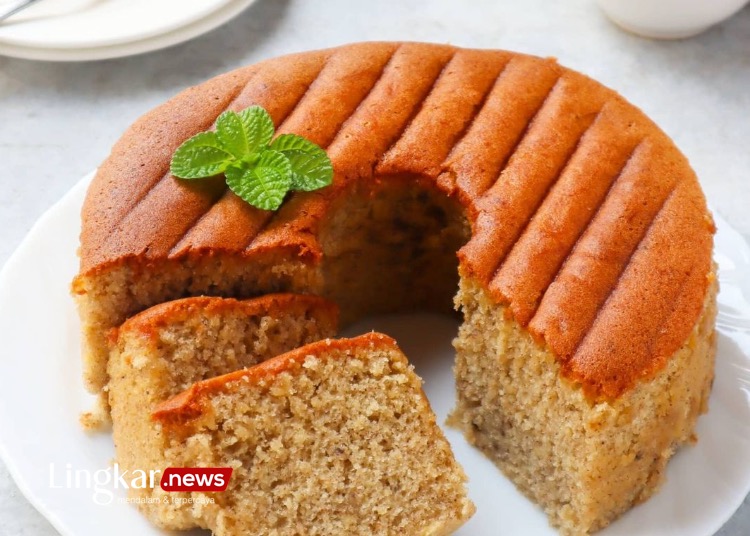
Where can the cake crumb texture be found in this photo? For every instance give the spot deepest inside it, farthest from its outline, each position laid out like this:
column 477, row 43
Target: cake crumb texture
column 334, row 438
column 584, row 463
column 169, row 347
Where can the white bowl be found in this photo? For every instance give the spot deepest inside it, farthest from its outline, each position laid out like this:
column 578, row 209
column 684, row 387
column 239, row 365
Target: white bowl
column 669, row 19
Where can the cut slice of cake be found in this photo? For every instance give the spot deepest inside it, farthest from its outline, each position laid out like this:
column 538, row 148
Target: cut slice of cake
column 167, row 348
column 334, row 438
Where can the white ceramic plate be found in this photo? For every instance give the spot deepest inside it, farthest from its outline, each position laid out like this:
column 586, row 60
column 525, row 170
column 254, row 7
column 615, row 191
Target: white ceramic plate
column 111, row 43
column 96, row 23
column 42, row 397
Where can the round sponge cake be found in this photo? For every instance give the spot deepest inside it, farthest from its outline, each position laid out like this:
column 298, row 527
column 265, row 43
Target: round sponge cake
column 582, row 238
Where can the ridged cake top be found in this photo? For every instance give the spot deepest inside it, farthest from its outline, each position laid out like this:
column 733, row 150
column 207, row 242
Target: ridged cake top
column 586, row 221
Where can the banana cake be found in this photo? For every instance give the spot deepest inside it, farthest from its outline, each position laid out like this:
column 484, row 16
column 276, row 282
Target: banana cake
column 570, row 231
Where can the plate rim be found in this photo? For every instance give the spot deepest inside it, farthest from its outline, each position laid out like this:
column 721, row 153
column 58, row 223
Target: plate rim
column 217, row 18
column 167, row 26
column 21, row 481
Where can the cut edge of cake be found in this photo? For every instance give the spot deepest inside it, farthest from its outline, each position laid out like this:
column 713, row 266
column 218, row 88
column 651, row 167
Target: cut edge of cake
column 338, row 432
column 598, row 459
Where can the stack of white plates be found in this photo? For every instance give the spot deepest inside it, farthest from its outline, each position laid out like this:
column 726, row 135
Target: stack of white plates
column 81, row 30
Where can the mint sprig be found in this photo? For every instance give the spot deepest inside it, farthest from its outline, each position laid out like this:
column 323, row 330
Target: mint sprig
column 259, row 169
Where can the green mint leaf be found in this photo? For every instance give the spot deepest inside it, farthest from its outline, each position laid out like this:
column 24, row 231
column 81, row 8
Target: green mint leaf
column 231, row 134
column 263, row 183
column 200, row 156
column 311, row 167
column 258, row 127
column 257, row 169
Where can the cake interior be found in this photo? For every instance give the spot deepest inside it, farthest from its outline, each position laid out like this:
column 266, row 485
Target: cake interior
column 584, row 462
column 148, row 367
column 342, row 442
column 391, row 247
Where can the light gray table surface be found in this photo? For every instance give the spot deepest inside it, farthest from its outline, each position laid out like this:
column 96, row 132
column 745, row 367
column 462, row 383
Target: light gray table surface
column 58, row 120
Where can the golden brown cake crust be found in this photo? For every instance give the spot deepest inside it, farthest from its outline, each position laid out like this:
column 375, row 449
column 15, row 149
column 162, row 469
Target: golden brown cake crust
column 586, row 220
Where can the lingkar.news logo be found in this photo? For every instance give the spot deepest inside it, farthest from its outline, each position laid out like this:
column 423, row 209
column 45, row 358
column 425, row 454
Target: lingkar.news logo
column 104, row 482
